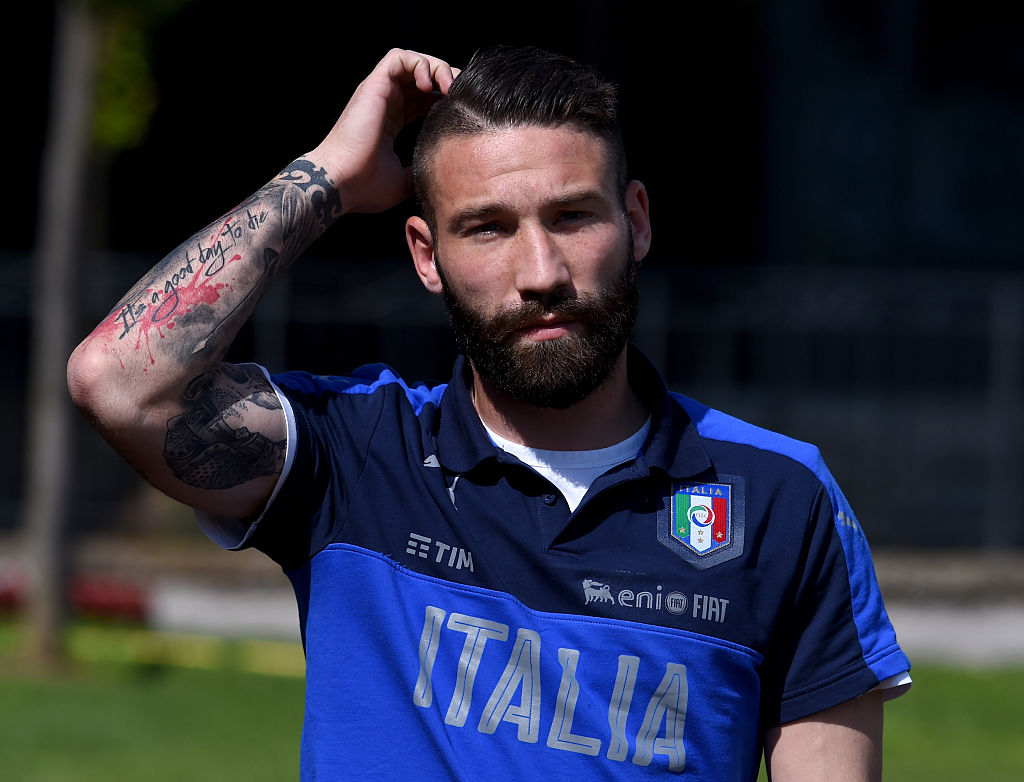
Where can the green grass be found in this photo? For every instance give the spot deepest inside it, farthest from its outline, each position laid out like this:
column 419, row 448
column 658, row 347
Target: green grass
column 957, row 725
column 150, row 723
column 149, row 707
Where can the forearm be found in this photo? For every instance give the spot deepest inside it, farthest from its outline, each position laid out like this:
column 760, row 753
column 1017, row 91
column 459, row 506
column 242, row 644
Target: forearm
column 180, row 318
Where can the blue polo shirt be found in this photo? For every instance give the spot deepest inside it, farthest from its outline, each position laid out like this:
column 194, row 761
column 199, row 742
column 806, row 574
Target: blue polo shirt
column 460, row 622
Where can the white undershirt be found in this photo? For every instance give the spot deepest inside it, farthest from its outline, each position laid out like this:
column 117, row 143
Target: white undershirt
column 572, row 472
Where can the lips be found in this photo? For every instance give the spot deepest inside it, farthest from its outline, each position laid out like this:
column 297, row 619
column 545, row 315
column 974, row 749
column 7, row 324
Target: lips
column 548, row 327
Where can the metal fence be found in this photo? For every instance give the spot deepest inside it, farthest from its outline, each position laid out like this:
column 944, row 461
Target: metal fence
column 910, row 381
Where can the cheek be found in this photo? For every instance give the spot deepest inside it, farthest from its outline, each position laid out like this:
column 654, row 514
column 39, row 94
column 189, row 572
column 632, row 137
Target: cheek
column 481, row 275
column 599, row 257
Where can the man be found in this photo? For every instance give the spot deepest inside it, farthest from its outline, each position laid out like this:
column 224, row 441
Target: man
column 550, row 565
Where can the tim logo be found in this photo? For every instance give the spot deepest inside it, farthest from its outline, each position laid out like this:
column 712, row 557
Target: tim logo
column 442, row 553
column 596, row 592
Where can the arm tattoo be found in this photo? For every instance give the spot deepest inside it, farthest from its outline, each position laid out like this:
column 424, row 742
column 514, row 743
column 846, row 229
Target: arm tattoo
column 181, row 293
column 302, row 176
column 208, row 446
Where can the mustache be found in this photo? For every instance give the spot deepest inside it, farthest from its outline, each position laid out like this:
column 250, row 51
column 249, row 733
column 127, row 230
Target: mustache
column 515, row 317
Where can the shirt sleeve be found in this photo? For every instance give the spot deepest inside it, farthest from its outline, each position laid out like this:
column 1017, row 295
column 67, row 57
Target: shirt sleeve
column 835, row 642
column 235, row 534
column 334, row 425
column 895, row 686
column 307, row 503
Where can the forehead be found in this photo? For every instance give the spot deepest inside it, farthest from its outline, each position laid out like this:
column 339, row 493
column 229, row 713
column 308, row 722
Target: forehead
column 520, row 165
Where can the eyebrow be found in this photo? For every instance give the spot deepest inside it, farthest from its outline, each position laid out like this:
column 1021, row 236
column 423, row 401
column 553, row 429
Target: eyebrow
column 471, row 214
column 483, row 211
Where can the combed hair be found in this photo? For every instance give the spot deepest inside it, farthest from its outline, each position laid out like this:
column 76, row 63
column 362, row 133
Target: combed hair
column 504, row 87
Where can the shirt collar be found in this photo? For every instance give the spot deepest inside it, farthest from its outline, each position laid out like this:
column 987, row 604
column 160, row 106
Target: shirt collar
column 462, row 441
column 673, row 445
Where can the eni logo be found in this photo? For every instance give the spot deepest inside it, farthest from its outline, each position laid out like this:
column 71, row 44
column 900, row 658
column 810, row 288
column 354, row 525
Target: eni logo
column 596, row 592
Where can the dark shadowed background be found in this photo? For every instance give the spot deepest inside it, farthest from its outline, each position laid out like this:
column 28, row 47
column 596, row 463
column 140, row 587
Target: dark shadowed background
column 836, row 189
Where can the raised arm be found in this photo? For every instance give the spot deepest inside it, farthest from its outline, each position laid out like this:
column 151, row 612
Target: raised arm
column 151, row 376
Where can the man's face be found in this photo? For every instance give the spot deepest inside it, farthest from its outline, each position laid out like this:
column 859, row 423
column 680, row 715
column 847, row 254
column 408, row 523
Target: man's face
column 559, row 371
column 533, row 251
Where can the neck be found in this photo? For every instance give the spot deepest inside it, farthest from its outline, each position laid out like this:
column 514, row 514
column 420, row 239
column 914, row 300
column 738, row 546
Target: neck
column 608, row 415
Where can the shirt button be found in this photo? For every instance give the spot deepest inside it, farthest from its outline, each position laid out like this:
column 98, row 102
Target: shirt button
column 549, row 499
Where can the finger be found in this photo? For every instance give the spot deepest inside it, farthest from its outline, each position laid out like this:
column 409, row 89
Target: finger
column 429, row 73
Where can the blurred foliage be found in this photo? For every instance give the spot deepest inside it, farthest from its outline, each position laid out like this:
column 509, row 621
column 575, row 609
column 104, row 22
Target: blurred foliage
column 126, row 94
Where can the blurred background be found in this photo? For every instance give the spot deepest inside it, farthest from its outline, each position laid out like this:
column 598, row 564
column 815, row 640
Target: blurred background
column 836, row 187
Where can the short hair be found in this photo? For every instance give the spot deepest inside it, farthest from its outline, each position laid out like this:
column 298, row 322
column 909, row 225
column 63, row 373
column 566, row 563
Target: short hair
column 506, row 87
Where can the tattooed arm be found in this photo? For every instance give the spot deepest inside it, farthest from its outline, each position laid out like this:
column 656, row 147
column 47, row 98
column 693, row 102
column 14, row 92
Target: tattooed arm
column 151, row 376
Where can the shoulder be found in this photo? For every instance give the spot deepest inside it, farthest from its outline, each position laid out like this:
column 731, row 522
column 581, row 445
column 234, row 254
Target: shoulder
column 712, row 424
column 372, row 381
column 738, row 446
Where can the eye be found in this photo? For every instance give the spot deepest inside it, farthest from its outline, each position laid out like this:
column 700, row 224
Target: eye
column 573, row 216
column 483, row 229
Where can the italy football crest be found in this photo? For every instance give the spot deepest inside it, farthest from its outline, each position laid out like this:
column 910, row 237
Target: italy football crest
column 700, row 515
column 703, row 522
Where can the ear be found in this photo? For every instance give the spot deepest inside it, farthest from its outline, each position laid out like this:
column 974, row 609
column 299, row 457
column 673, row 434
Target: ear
column 421, row 247
column 638, row 209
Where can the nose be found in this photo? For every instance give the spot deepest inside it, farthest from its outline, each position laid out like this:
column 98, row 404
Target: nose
column 541, row 267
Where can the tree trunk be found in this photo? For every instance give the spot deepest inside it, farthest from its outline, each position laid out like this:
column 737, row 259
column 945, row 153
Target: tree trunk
column 58, row 251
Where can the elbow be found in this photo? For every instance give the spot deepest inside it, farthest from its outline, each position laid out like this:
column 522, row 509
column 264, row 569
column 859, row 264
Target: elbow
column 98, row 389
column 86, row 376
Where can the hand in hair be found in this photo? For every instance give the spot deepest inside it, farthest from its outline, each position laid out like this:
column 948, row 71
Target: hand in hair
column 358, row 154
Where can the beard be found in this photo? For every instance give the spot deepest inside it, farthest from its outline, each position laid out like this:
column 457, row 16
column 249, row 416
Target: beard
column 553, row 373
